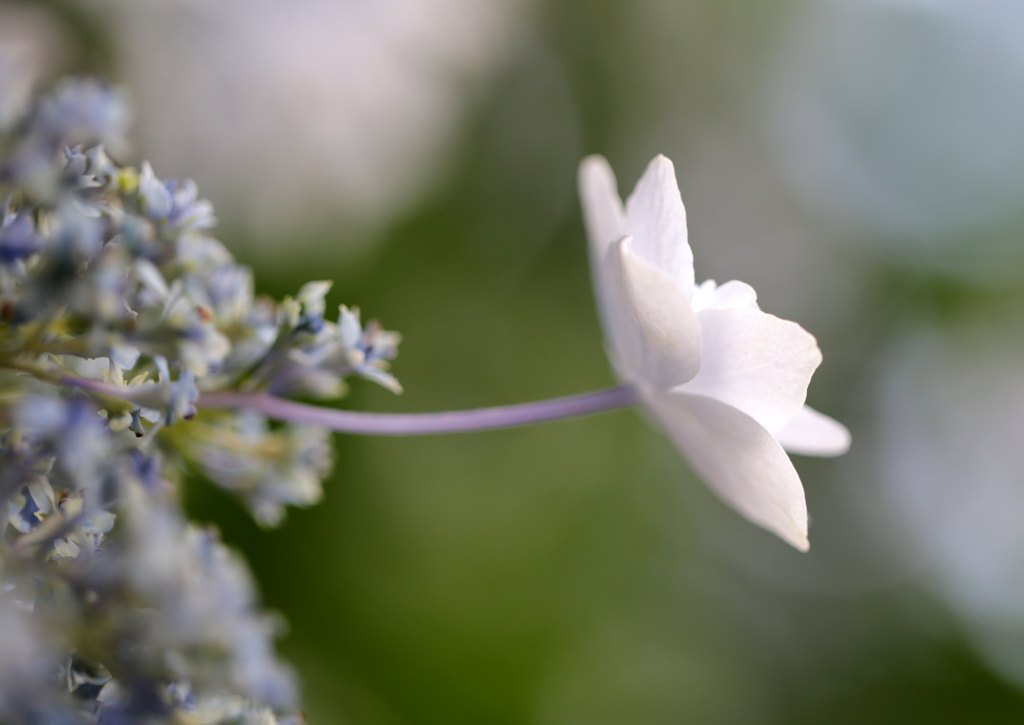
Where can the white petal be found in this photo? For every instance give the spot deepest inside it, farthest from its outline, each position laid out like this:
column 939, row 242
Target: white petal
column 656, row 219
column 606, row 224
column 811, row 433
column 739, row 460
column 602, row 208
column 654, row 333
column 755, row 362
column 711, row 296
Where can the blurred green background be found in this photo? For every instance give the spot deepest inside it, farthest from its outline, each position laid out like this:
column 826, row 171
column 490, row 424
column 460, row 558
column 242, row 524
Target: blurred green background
column 859, row 162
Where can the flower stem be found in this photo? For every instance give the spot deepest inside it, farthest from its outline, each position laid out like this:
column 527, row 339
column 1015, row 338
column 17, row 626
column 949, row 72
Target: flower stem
column 390, row 424
column 408, row 424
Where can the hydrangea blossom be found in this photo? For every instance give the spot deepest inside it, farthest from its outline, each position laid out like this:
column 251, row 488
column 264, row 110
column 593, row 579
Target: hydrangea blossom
column 117, row 312
column 726, row 380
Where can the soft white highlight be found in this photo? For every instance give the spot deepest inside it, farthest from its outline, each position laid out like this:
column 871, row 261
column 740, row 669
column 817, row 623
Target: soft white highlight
column 311, row 111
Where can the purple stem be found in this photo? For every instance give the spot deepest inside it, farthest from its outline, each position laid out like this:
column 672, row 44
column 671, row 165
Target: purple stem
column 396, row 424
column 407, row 424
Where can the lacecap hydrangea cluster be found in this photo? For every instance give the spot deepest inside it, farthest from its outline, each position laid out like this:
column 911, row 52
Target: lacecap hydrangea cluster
column 114, row 608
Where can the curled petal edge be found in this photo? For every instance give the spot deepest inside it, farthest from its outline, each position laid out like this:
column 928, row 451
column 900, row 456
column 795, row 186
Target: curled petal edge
column 655, row 333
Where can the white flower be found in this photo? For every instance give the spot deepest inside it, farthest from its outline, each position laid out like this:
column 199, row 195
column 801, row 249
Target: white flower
column 726, row 381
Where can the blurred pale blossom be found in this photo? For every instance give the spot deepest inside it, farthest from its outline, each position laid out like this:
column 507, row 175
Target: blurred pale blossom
column 308, row 113
column 31, row 47
column 726, row 380
column 951, row 411
column 902, row 118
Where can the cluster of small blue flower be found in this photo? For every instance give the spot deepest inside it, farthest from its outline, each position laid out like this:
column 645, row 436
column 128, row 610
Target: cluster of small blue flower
column 117, row 312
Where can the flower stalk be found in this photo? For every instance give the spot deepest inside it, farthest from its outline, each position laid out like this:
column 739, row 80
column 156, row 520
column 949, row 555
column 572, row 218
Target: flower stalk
column 411, row 424
column 395, row 424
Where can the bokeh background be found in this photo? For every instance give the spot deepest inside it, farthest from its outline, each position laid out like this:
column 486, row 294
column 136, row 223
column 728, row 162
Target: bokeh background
column 859, row 162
